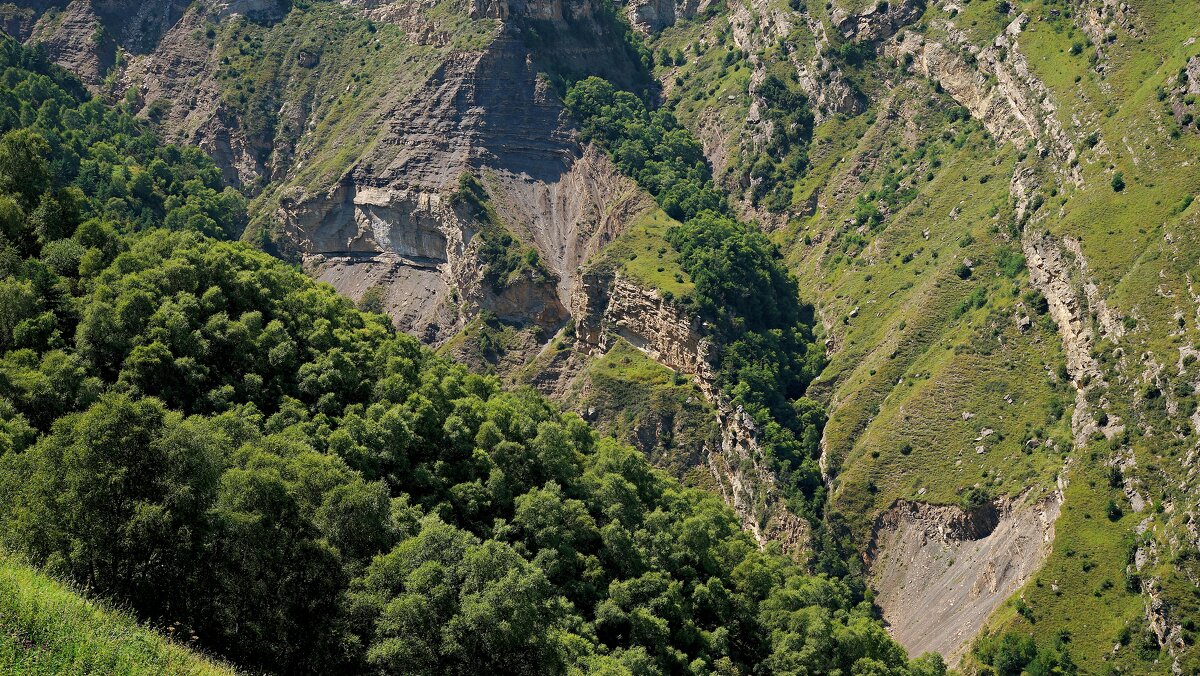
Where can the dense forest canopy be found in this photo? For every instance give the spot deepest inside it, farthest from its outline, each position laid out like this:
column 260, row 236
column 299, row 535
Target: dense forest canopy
column 202, row 433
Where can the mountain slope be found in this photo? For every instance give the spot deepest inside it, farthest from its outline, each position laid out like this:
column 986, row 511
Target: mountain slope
column 989, row 204
column 954, row 216
column 207, row 436
column 47, row 629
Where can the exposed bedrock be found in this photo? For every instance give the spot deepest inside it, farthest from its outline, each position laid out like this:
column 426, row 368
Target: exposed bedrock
column 478, row 110
column 879, row 22
column 85, row 35
column 389, row 222
column 940, row 571
column 420, row 253
column 997, row 86
column 607, row 305
column 651, row 16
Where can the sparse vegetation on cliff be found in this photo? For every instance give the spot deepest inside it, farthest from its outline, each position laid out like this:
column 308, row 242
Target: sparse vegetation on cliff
column 768, row 352
column 504, row 257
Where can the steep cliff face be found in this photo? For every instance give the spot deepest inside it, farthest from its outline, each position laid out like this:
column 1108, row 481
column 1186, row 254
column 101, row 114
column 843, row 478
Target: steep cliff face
column 607, row 307
column 163, row 52
column 489, row 115
column 651, row 16
column 487, row 109
column 74, row 38
column 90, row 37
column 876, row 23
column 181, row 75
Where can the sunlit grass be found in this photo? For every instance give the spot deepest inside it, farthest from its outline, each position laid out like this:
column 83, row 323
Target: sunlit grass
column 45, row 628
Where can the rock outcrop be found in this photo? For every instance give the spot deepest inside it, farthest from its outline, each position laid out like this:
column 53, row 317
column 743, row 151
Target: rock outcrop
column 996, row 85
column 84, row 36
column 389, row 223
column 607, row 305
column 651, row 16
column 181, row 74
column 877, row 23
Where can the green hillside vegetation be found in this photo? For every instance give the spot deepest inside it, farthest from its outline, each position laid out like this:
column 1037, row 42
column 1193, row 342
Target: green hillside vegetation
column 913, row 361
column 1083, row 598
column 195, row 432
column 47, row 629
column 927, row 355
column 927, row 330
column 639, row 397
column 202, row 434
column 643, row 252
column 740, row 287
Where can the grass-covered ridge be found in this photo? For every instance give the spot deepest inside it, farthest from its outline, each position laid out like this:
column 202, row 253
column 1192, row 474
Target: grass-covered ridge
column 46, row 628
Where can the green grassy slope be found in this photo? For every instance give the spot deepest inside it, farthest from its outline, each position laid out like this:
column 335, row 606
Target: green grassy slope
column 643, row 253
column 936, row 381
column 925, row 361
column 47, row 628
column 635, row 399
column 1125, row 587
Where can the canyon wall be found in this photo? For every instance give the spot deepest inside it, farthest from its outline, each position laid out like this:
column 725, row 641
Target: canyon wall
column 608, row 306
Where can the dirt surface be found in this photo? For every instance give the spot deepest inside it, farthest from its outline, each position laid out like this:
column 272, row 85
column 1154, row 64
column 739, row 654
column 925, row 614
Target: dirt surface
column 940, row 572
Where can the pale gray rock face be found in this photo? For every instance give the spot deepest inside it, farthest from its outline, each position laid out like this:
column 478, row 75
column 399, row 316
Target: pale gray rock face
column 224, row 8
column 651, row 16
column 1193, row 75
column 940, row 572
column 386, row 221
column 879, row 22
column 489, row 115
